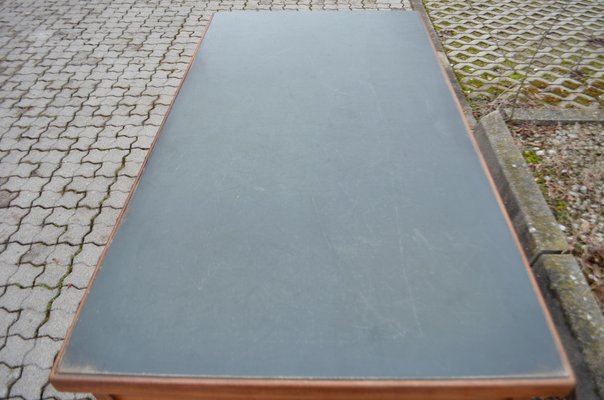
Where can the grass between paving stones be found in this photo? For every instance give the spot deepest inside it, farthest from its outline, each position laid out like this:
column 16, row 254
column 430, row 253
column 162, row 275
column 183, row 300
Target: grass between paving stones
column 567, row 162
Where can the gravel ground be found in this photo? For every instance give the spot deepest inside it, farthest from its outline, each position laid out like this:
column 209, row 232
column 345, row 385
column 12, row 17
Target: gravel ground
column 568, row 164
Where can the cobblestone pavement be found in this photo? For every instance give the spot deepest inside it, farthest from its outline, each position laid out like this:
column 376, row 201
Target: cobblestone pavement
column 83, row 89
column 491, row 43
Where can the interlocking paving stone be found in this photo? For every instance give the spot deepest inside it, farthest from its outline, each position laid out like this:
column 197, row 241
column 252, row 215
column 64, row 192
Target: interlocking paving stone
column 7, row 319
column 7, row 376
column 28, row 323
column 15, row 350
column 491, row 43
column 42, row 354
column 29, row 385
column 79, row 276
column 57, row 324
column 13, row 297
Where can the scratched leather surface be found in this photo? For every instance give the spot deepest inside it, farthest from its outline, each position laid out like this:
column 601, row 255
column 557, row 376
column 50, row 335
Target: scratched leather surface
column 314, row 208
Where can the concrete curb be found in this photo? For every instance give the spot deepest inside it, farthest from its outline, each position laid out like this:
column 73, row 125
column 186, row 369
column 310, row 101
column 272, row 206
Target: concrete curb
column 544, row 116
column 574, row 309
column 532, row 219
column 573, row 304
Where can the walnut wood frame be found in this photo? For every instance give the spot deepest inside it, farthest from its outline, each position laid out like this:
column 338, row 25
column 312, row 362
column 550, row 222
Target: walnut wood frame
column 116, row 387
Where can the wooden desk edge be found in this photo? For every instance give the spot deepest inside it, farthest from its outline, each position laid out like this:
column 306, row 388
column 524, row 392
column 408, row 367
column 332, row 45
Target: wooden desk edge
column 294, row 389
column 317, row 389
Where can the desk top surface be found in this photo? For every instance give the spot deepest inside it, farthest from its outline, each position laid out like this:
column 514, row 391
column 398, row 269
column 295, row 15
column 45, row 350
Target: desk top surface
column 314, row 208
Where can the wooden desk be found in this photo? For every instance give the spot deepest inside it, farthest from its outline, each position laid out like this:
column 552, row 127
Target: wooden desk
column 314, row 223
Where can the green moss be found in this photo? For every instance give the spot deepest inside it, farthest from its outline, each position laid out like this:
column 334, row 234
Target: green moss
column 551, row 100
column 531, row 157
column 596, row 65
column 475, row 82
column 560, row 209
column 494, row 91
column 560, row 92
column 570, row 84
column 592, row 91
column 509, row 63
column 538, row 83
column 584, row 101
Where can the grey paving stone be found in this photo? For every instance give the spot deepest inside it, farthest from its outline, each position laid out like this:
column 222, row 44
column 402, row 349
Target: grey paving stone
column 143, row 142
column 100, row 184
column 36, row 216
column 15, row 350
column 89, row 255
column 25, row 275
column 92, row 199
column 99, row 234
column 116, row 199
column 59, row 216
column 74, row 234
column 83, row 216
column 69, row 200
column 50, row 234
column 7, row 232
column 52, row 275
column 110, row 132
column 26, row 233
column 13, row 297
column 83, row 143
column 14, row 156
column 57, row 184
column 75, row 156
column 44, row 351
column 36, row 254
column 29, row 385
column 68, row 299
column 7, row 318
column 12, row 215
column 57, row 324
column 39, row 298
column 6, row 271
column 61, row 255
column 115, row 155
column 24, row 199
column 108, row 169
column 7, row 377
column 22, row 170
column 47, row 199
column 80, row 276
column 28, row 323
column 78, row 184
column 45, row 170
column 123, row 184
column 14, row 183
column 108, row 216
column 6, row 198
column 51, row 393
column 94, row 156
